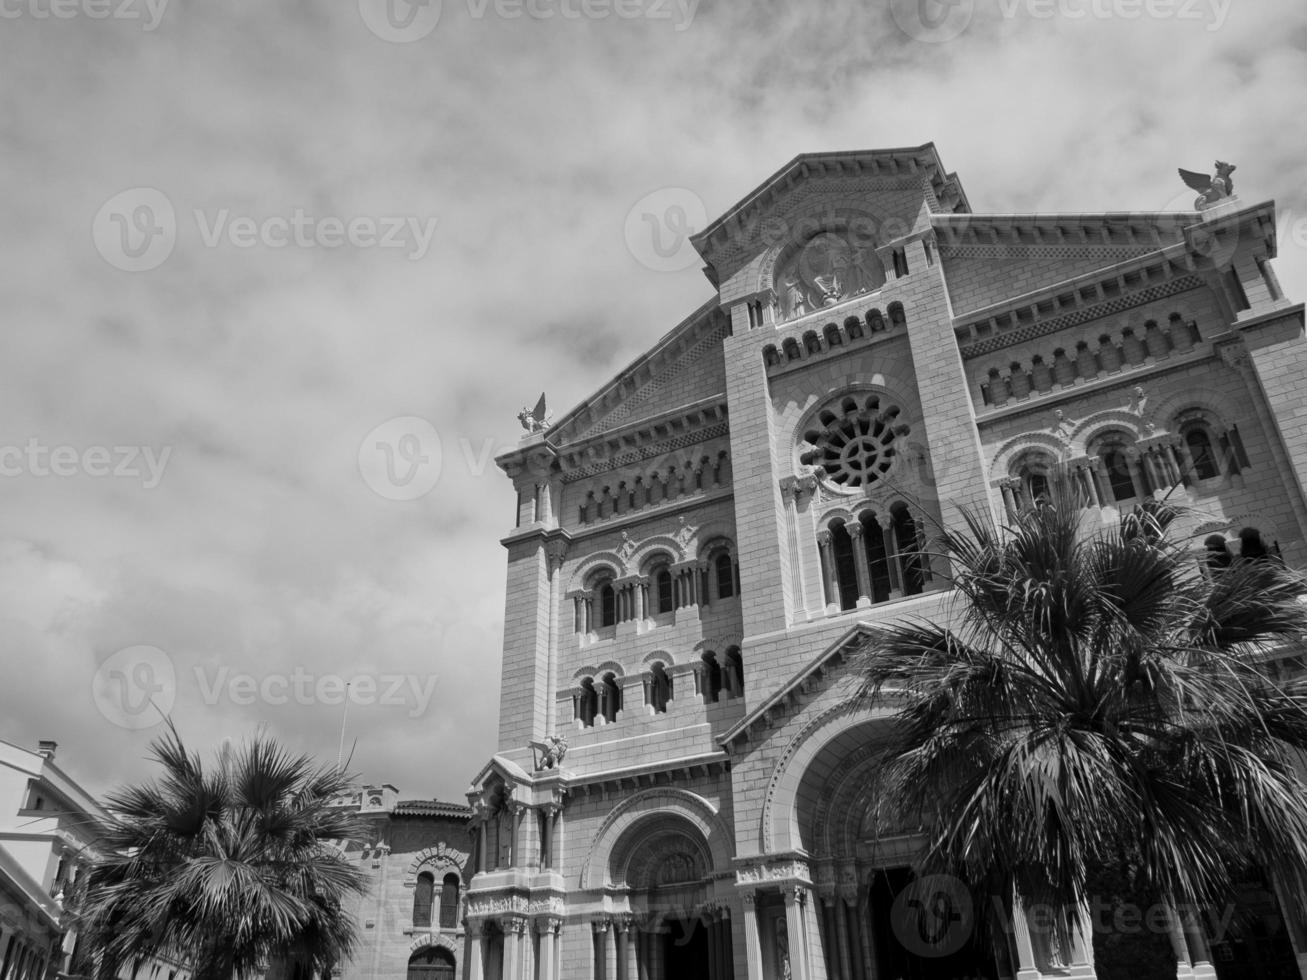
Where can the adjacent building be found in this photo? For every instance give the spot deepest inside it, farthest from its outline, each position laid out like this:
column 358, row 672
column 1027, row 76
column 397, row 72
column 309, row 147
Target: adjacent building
column 699, row 545
column 417, row 856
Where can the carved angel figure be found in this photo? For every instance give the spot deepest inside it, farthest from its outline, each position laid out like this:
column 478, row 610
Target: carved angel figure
column 552, row 750
column 1212, row 189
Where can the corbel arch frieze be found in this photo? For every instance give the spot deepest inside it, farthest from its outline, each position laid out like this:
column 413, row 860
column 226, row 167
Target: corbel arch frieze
column 433, row 941
column 657, row 657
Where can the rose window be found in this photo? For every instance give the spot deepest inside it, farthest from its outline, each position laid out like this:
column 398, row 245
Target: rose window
column 856, row 444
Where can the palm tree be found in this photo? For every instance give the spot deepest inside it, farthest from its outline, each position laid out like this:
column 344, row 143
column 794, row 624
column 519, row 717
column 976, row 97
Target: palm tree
column 1099, row 711
column 228, row 869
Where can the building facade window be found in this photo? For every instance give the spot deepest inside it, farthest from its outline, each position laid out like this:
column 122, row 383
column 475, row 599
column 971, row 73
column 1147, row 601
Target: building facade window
column 587, row 702
column 712, row 678
column 660, row 689
column 610, row 698
column 1201, row 452
column 607, row 605
column 664, row 594
column 449, row 888
column 431, row 964
column 423, row 896
column 724, row 569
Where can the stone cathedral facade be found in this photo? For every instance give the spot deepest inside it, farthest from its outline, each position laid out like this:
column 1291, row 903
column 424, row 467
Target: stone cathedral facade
column 701, row 546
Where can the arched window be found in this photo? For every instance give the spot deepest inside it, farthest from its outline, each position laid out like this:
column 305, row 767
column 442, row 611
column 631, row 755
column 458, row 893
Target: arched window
column 712, row 677
column 449, row 901
column 1036, row 485
column 724, row 569
column 877, row 558
column 734, row 679
column 587, row 703
column 423, row 896
column 909, row 548
column 1199, row 443
column 846, row 573
column 1119, row 476
column 610, row 698
column 607, row 605
column 431, row 964
column 660, row 688
column 665, row 596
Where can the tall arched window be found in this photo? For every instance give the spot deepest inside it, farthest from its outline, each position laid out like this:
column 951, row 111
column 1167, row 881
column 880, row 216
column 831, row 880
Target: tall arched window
column 610, row 698
column 587, row 703
column 449, row 901
column 607, row 605
column 1199, row 443
column 660, row 688
column 431, row 964
column 664, row 595
column 877, row 558
column 911, row 562
column 712, row 677
column 846, row 573
column 734, row 679
column 423, row 896
column 1119, row 477
column 724, row 569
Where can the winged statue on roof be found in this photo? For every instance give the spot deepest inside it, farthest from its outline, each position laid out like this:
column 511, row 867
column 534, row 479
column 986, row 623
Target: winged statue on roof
column 535, row 419
column 1211, row 189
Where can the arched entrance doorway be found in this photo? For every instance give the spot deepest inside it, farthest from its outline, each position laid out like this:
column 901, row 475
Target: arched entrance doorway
column 432, row 963
column 875, row 918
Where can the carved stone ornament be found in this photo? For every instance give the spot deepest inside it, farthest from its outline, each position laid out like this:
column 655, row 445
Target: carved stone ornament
column 684, row 534
column 1213, row 189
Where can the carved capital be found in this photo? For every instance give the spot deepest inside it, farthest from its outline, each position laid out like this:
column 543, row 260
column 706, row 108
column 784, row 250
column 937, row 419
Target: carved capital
column 823, row 537
column 601, row 926
column 547, row 924
column 750, row 900
column 513, row 924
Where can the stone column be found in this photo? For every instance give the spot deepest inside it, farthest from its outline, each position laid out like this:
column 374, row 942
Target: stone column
column 1027, row 969
column 794, row 925
column 474, row 951
column 724, row 931
column 867, row 936
column 630, row 965
column 860, row 569
column 828, row 576
column 709, row 925
column 835, row 929
column 1009, row 499
column 752, row 947
column 516, row 962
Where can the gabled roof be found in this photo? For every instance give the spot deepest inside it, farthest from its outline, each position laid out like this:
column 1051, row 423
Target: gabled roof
column 887, row 162
column 631, row 397
column 504, row 767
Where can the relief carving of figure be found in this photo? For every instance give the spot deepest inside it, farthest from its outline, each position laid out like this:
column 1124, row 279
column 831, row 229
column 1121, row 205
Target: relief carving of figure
column 551, row 750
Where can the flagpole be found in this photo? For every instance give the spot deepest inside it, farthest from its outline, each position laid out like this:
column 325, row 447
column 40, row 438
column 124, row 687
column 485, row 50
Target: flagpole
column 340, row 750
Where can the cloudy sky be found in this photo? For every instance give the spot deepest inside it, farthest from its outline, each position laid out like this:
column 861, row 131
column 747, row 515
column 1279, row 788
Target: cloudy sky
column 240, row 239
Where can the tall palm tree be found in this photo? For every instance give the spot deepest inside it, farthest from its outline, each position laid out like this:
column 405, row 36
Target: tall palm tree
column 1099, row 711
column 227, row 869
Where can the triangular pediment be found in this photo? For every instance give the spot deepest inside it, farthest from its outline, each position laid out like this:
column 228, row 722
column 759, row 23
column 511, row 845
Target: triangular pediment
column 767, row 213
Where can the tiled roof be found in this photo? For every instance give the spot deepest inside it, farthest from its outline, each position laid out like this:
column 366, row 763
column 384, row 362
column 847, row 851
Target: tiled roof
column 431, row 808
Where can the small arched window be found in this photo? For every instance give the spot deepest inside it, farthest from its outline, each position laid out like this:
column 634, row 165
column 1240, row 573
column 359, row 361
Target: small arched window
column 712, row 677
column 607, row 605
column 734, row 679
column 846, row 572
column 587, row 703
column 877, row 558
column 610, row 698
column 423, row 896
column 1036, row 486
column 665, row 596
column 724, row 568
column 912, row 564
column 449, row 901
column 1199, row 443
column 660, row 688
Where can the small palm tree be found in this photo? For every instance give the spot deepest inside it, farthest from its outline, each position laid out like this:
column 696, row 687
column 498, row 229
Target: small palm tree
column 1100, row 711
column 229, row 869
